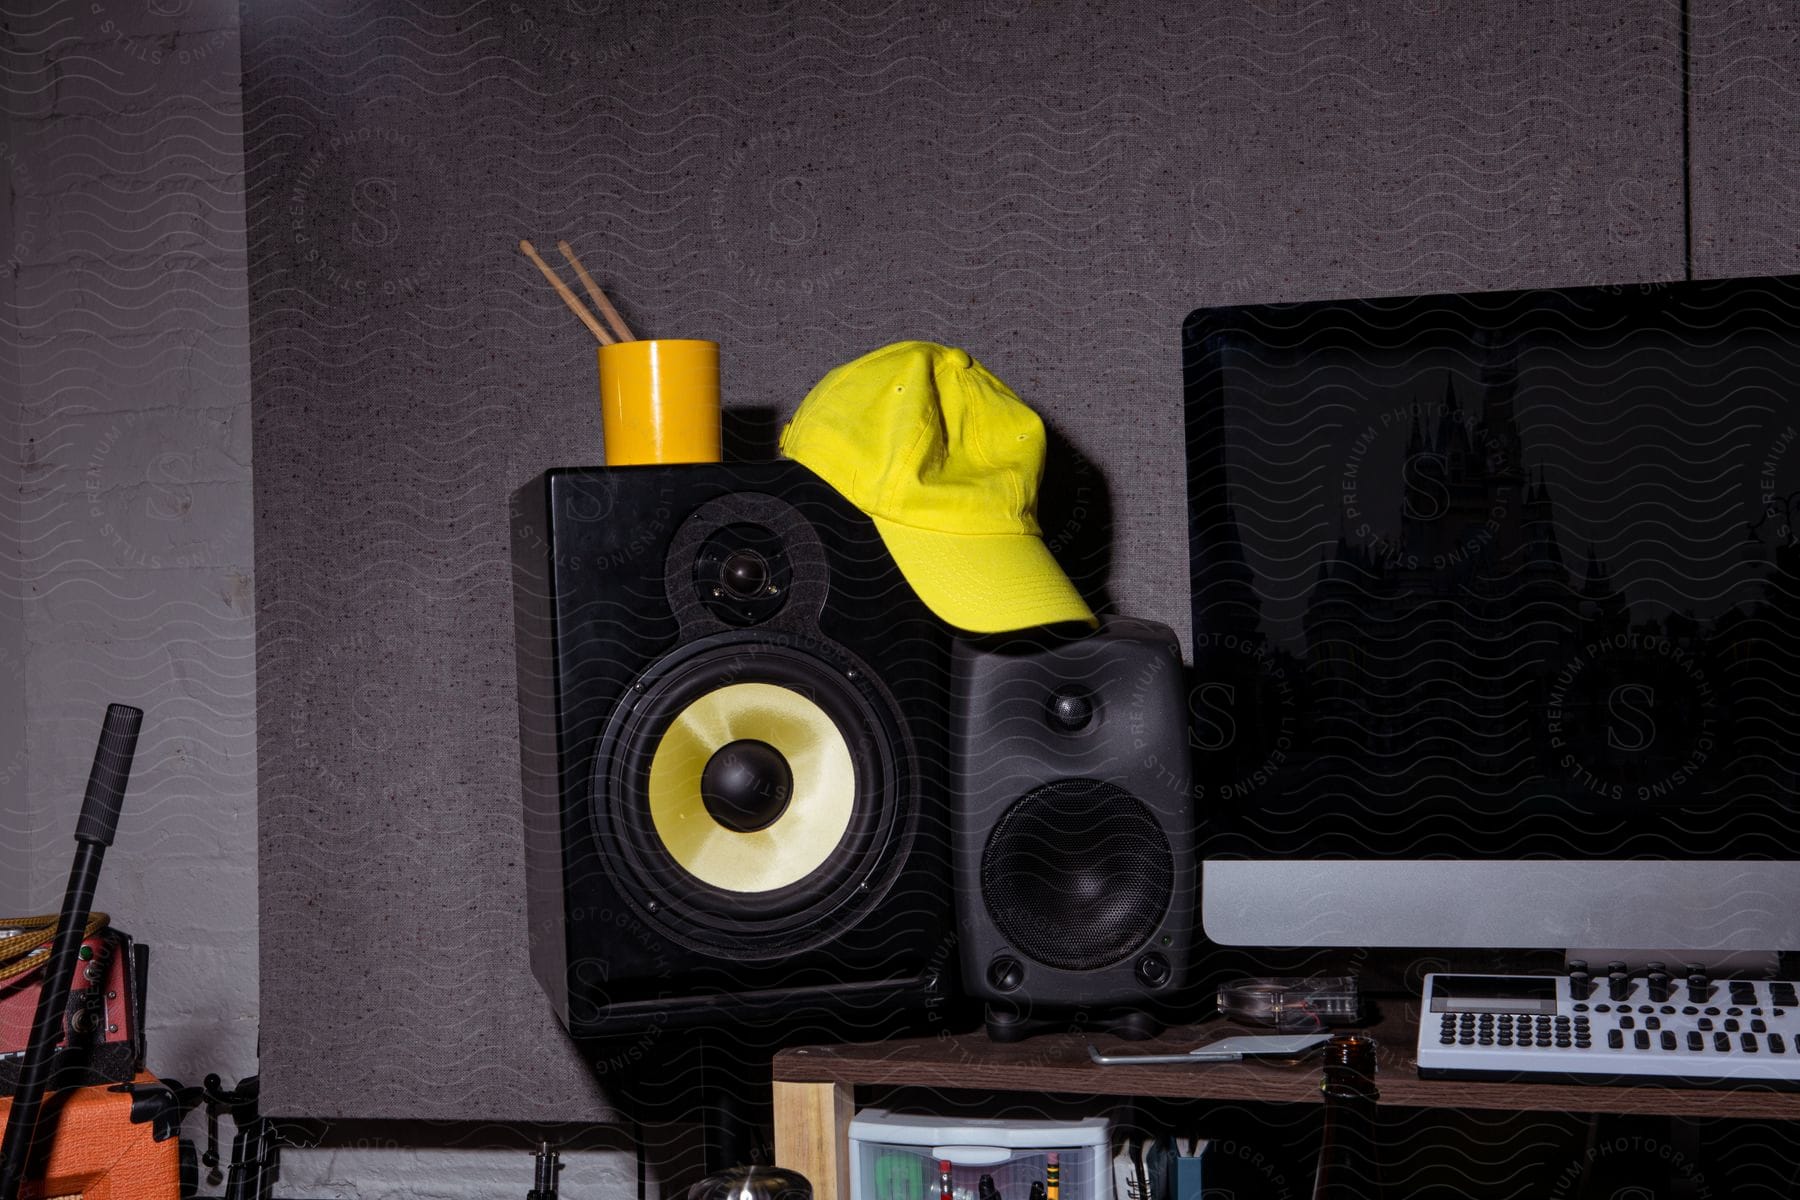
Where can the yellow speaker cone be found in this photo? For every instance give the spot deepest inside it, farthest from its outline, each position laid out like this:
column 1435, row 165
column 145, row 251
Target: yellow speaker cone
column 805, row 829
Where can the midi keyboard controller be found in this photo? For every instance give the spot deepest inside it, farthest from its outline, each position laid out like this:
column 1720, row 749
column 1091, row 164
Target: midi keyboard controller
column 1615, row 1028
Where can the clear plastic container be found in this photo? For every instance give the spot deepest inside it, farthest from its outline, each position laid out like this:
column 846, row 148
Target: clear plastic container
column 895, row 1156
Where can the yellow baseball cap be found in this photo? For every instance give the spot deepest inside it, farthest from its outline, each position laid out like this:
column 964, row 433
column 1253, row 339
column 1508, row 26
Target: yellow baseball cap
column 946, row 461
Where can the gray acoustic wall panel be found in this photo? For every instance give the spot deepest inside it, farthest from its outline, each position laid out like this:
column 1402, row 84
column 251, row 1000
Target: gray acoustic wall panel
column 1742, row 68
column 1052, row 186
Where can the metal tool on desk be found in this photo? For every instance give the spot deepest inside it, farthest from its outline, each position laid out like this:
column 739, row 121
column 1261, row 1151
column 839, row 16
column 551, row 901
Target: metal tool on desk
column 1231, row 1049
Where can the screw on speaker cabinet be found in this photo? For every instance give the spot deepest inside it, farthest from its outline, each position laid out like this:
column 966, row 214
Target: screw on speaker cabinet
column 1072, row 825
column 732, row 732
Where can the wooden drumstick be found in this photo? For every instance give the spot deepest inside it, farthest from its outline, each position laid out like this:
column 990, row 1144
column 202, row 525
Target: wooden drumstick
column 568, row 297
column 599, row 297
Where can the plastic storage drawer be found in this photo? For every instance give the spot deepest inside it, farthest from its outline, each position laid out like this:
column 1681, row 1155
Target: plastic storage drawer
column 894, row 1156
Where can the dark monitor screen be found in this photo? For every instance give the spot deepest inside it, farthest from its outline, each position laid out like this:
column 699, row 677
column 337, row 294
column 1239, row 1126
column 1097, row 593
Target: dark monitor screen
column 1498, row 576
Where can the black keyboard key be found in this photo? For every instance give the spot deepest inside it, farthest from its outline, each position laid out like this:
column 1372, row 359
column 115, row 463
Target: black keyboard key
column 1447, row 1040
column 1712, row 1011
column 1668, row 1039
column 1777, row 1044
column 1705, row 1024
column 1721, row 1041
column 1641, row 1039
column 1695, row 1041
column 1759, row 1026
column 1627, row 1022
column 1749, row 1043
column 1581, row 1008
column 1652, row 1022
column 1615, row 1039
column 1690, row 1010
column 1731, row 1025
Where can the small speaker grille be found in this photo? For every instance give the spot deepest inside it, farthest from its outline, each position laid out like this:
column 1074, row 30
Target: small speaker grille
column 1077, row 874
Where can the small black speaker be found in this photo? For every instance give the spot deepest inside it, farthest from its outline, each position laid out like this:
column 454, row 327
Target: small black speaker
column 1073, row 823
column 732, row 732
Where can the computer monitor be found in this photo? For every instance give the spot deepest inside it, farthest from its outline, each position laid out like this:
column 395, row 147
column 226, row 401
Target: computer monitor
column 1496, row 618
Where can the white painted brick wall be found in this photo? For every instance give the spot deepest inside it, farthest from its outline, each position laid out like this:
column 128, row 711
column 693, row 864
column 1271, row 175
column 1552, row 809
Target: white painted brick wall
column 126, row 558
column 15, row 825
column 129, row 425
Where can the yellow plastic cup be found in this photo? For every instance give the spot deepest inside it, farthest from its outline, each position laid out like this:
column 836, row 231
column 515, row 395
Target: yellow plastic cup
column 659, row 401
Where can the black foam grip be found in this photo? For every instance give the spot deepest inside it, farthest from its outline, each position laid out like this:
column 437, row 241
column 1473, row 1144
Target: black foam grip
column 112, row 768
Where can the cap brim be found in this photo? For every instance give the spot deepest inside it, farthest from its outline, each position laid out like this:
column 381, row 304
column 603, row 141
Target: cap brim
column 985, row 583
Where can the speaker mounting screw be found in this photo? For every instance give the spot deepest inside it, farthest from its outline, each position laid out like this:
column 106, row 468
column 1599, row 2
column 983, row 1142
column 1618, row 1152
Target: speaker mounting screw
column 1153, row 970
column 651, row 905
column 1071, row 709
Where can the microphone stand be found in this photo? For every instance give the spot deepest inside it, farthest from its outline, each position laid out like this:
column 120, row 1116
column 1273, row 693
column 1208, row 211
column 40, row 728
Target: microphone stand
column 93, row 834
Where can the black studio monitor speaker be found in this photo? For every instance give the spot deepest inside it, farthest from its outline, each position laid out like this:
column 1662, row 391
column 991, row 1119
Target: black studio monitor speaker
column 733, row 737
column 1073, row 834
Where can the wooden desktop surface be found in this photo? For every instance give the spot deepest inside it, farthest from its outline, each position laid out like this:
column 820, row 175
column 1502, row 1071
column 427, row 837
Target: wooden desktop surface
column 1059, row 1063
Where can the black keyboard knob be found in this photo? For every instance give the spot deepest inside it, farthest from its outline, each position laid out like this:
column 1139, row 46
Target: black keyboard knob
column 1581, row 985
column 1656, row 968
column 1578, row 964
column 1618, row 984
column 1699, row 988
column 1659, row 983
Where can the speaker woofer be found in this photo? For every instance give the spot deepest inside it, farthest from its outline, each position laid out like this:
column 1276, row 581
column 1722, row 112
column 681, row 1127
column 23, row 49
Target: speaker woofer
column 754, row 872
column 751, row 787
column 1077, row 874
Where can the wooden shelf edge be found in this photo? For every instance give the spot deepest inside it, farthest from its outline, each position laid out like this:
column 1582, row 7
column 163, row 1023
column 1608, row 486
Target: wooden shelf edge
column 1058, row 1064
